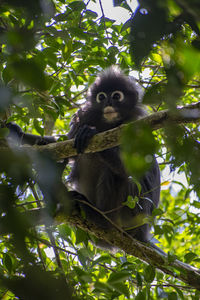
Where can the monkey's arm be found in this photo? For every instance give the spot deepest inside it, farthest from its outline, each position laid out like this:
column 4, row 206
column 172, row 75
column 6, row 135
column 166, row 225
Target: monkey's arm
column 110, row 157
column 22, row 138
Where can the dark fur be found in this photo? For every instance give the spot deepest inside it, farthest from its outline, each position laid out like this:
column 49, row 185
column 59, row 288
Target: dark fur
column 101, row 177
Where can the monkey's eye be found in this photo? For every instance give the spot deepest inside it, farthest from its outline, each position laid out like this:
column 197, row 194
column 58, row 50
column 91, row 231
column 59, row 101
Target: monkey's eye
column 117, row 95
column 101, row 96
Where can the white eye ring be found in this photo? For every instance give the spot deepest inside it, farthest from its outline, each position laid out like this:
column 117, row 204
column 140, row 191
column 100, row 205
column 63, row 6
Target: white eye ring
column 101, row 96
column 117, row 95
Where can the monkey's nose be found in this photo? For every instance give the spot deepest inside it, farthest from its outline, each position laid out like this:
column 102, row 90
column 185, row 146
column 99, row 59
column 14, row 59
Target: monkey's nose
column 109, row 102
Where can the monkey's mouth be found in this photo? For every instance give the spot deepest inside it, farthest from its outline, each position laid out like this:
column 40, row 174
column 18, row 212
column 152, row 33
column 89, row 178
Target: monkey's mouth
column 110, row 114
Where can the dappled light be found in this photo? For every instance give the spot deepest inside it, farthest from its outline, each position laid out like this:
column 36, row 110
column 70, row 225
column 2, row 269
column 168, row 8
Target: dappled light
column 51, row 52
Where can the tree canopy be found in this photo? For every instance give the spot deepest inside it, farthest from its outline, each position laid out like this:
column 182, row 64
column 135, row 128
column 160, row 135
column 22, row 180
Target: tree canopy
column 50, row 53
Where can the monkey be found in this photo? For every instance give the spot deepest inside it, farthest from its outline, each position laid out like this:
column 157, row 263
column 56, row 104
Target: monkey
column 113, row 99
column 101, row 179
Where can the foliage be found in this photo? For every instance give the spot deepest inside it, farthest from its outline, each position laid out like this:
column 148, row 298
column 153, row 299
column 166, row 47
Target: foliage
column 50, row 53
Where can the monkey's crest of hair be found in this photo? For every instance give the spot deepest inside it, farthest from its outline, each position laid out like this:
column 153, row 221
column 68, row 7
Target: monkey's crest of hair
column 111, row 71
column 115, row 74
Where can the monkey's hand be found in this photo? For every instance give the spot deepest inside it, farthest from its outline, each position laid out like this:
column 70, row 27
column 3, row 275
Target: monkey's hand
column 22, row 138
column 83, row 137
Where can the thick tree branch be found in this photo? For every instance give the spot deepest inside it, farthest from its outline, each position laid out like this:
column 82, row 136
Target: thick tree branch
column 111, row 138
column 188, row 274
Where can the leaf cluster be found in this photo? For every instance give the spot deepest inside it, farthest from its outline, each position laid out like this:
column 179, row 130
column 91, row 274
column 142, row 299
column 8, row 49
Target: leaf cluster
column 49, row 56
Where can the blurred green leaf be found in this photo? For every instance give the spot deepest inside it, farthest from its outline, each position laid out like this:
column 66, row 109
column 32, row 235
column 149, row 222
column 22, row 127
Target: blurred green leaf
column 139, row 279
column 138, row 146
column 149, row 273
column 30, row 73
column 118, row 277
column 81, row 236
column 190, row 257
column 148, row 26
column 50, row 52
column 7, row 262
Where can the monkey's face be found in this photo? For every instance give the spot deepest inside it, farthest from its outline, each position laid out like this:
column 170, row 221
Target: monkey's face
column 113, row 99
column 109, row 102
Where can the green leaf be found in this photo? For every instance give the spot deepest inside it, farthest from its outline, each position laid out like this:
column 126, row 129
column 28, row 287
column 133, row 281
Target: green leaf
column 108, row 22
column 29, row 72
column 82, row 275
column 65, row 232
column 141, row 295
column 7, row 262
column 102, row 287
column 126, row 25
column 102, row 260
column 131, row 202
column 171, row 257
column 117, row 2
column 81, row 236
column 190, row 257
column 149, row 273
column 67, row 49
column 60, row 17
column 90, row 14
column 121, row 288
column 139, row 279
column 83, row 255
column 154, row 95
column 187, row 55
column 168, row 229
column 118, row 277
column 7, row 74
column 157, row 212
column 79, row 33
column 138, row 147
column 77, row 5
column 180, row 293
column 172, row 296
column 158, row 230
column 148, row 26
column 196, row 204
column 38, row 127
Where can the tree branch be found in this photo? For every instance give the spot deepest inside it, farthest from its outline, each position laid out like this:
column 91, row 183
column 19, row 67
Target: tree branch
column 186, row 273
column 111, row 138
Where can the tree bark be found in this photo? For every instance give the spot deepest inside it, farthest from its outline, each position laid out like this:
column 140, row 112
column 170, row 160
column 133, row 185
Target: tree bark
column 111, row 138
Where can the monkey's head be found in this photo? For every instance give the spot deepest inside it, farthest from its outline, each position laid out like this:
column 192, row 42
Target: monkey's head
column 114, row 99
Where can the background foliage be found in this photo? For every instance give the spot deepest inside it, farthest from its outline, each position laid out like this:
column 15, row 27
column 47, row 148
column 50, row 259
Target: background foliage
column 50, row 53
